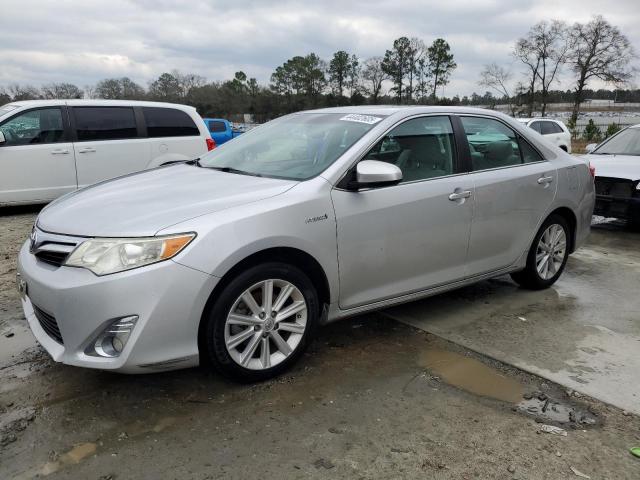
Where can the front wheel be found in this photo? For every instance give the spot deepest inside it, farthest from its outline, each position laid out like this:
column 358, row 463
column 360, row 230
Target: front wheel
column 261, row 322
column 547, row 257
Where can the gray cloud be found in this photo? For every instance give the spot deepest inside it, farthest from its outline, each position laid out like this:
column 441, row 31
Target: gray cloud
column 84, row 41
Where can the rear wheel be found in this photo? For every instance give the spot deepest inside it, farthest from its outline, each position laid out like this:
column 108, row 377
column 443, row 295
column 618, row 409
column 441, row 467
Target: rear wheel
column 261, row 322
column 548, row 255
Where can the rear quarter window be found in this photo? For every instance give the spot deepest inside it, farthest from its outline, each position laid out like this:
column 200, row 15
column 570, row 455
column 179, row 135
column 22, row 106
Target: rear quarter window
column 549, row 128
column 168, row 122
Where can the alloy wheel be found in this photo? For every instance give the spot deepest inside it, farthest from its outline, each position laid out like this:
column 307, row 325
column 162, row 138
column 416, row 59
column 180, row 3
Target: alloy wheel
column 551, row 251
column 265, row 324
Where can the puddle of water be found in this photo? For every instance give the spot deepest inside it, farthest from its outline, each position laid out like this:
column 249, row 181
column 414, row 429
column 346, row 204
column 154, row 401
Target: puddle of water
column 475, row 377
column 472, row 375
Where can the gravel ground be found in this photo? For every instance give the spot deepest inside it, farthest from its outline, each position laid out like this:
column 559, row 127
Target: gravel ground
column 372, row 398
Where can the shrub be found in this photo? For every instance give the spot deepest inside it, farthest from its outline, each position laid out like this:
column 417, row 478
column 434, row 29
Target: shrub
column 591, row 131
column 612, row 129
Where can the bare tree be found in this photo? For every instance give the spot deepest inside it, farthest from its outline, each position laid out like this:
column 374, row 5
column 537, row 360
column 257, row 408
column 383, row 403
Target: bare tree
column 4, row 96
column 89, row 91
column 118, row 88
column 550, row 41
column 23, row 92
column 525, row 51
column 373, row 75
column 598, row 51
column 187, row 81
column 416, row 52
column 498, row 78
column 61, row 90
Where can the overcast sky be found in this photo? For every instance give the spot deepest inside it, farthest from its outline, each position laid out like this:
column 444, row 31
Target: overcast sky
column 84, row 41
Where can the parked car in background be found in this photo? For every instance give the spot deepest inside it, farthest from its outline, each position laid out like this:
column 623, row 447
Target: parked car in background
column 221, row 130
column 235, row 259
column 617, row 165
column 553, row 130
column 51, row 147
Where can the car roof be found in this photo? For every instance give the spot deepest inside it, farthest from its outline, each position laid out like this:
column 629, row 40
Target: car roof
column 546, row 119
column 99, row 103
column 387, row 110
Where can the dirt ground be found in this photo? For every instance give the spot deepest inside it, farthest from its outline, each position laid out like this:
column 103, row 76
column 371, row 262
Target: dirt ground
column 372, row 398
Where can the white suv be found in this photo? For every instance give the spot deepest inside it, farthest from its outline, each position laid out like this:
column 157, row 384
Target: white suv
column 51, row 147
column 553, row 130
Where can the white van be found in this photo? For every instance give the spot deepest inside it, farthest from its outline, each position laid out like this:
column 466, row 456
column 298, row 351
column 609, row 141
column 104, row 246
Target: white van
column 51, row 147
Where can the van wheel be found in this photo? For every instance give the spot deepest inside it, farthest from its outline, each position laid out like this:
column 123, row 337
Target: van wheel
column 548, row 255
column 261, row 322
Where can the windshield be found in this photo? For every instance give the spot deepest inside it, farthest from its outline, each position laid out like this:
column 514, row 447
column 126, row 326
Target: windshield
column 297, row 147
column 627, row 142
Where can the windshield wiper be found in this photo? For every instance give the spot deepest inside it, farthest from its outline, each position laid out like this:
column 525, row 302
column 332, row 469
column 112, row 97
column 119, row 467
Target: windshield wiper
column 234, row 170
column 195, row 161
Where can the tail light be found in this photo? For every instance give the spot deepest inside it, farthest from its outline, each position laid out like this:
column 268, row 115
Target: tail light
column 211, row 144
column 592, row 171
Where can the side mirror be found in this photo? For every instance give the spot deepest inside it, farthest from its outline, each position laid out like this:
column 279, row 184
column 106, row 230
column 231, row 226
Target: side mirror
column 2, row 139
column 590, row 148
column 374, row 173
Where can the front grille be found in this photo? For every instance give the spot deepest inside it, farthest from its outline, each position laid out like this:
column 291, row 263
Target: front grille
column 614, row 187
column 52, row 248
column 48, row 323
column 52, row 257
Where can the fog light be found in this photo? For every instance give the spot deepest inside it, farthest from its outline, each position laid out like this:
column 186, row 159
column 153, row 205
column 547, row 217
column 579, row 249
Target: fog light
column 113, row 339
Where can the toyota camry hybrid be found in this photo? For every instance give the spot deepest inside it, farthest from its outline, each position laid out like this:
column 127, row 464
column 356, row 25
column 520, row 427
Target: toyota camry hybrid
column 232, row 260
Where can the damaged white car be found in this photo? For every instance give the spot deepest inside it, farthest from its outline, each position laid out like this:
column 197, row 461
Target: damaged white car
column 617, row 166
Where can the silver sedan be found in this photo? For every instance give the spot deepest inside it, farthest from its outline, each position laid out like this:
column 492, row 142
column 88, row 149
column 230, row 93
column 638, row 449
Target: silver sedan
column 235, row 258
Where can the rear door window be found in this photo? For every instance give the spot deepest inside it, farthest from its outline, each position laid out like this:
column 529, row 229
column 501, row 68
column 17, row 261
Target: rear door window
column 105, row 123
column 40, row 126
column 168, row 122
column 492, row 143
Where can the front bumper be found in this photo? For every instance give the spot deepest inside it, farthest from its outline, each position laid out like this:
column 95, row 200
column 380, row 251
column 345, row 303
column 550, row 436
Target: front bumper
column 617, row 207
column 169, row 299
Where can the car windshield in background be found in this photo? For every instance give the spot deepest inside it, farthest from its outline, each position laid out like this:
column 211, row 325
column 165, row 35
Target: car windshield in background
column 626, row 142
column 298, row 146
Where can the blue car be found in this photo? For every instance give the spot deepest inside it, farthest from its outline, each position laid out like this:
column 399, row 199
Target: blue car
column 221, row 130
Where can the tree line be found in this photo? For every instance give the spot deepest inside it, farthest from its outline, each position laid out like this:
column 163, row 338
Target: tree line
column 413, row 70
column 409, row 72
column 595, row 50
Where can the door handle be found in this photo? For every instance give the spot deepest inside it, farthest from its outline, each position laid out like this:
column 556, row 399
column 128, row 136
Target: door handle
column 87, row 150
column 545, row 180
column 459, row 195
column 60, row 151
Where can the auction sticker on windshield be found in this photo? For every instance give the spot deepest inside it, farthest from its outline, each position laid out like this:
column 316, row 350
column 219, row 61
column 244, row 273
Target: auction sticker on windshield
column 355, row 117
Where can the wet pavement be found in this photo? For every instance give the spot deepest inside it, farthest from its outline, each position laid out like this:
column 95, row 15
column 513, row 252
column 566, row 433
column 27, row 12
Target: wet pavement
column 583, row 333
column 372, row 398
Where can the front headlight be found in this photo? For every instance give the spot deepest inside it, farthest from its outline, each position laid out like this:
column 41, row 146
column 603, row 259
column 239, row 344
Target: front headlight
column 111, row 255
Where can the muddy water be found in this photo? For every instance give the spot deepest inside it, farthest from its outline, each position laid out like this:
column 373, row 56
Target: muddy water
column 478, row 378
column 471, row 375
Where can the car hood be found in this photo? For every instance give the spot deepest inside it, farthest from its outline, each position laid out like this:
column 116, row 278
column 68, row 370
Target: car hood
column 143, row 203
column 616, row 166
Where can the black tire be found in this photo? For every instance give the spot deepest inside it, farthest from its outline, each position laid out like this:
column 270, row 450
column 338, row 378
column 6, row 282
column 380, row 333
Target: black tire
column 529, row 277
column 219, row 308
